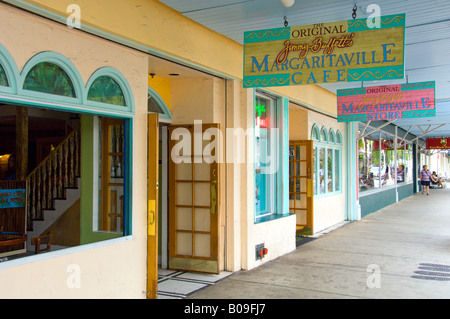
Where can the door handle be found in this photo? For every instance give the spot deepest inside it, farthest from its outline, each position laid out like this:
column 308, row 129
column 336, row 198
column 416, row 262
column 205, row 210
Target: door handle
column 151, row 217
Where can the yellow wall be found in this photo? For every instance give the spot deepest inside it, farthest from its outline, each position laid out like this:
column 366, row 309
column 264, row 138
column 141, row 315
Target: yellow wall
column 162, row 87
column 153, row 25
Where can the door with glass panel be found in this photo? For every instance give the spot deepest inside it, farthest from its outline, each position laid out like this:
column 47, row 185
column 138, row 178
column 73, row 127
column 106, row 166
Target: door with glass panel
column 193, row 199
column 301, row 185
column 111, row 182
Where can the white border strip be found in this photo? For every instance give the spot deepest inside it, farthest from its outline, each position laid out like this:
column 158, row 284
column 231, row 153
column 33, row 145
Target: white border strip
column 62, row 252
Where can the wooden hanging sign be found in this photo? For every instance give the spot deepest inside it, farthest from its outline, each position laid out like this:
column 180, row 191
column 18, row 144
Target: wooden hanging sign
column 345, row 51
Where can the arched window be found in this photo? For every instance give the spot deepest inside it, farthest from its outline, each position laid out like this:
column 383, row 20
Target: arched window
column 339, row 137
column 106, row 90
column 3, row 77
column 315, row 133
column 327, row 161
column 47, row 77
column 8, row 72
column 324, row 135
column 52, row 76
column 156, row 104
column 331, row 136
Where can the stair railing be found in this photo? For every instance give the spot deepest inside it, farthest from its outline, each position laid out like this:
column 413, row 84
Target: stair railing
column 49, row 180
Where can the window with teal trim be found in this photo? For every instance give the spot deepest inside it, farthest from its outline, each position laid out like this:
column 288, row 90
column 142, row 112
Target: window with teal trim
column 156, row 104
column 3, row 77
column 332, row 136
column 327, row 161
column 46, row 77
column 324, row 135
column 339, row 138
column 268, row 159
column 315, row 134
column 106, row 90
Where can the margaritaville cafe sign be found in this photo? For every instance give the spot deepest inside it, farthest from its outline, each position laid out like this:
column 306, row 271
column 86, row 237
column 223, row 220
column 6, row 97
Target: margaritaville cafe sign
column 388, row 102
column 344, row 51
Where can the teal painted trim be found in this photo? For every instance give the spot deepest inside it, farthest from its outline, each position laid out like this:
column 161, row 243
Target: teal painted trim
column 324, row 135
column 266, row 80
column 124, row 85
column 267, row 35
column 352, row 118
column 389, row 21
column 315, row 131
column 11, row 71
column 371, row 203
column 16, row 94
column 331, row 136
column 418, row 86
column 418, row 114
column 128, row 177
column 167, row 115
column 375, row 74
column 354, row 91
column 339, row 137
column 404, row 191
column 44, row 104
column 67, row 66
column 351, row 201
column 285, row 156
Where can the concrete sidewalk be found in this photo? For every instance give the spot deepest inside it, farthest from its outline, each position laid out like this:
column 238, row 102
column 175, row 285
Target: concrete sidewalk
column 401, row 251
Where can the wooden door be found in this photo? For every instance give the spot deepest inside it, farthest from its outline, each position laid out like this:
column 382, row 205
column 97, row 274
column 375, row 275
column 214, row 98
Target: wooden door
column 301, row 185
column 193, row 202
column 152, row 206
column 111, row 174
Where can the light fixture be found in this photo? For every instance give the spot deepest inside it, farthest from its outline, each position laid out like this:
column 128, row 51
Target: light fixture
column 287, row 3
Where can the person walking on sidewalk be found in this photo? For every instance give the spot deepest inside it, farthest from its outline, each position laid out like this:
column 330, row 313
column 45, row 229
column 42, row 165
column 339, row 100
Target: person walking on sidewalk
column 425, row 177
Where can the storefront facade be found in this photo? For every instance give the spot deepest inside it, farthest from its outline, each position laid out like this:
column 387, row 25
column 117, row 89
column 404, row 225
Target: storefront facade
column 388, row 161
column 230, row 199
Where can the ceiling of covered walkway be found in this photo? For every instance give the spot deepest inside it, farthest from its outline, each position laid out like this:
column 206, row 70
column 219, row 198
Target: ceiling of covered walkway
column 427, row 38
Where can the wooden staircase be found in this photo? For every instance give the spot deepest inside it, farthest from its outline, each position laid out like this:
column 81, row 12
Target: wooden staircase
column 52, row 178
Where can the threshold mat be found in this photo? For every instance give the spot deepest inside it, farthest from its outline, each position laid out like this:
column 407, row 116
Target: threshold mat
column 301, row 240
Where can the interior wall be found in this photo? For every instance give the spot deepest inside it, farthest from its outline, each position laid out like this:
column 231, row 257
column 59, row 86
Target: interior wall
column 298, row 123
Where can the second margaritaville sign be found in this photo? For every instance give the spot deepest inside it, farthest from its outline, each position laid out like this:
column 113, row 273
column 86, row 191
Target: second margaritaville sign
column 344, row 51
column 388, row 102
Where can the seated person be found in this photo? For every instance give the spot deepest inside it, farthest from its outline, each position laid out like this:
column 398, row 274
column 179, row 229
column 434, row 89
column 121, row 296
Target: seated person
column 436, row 180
